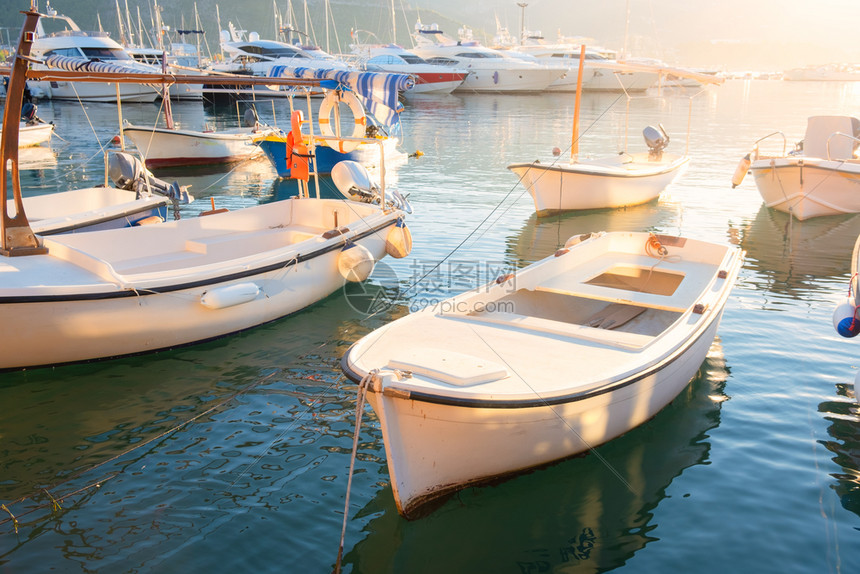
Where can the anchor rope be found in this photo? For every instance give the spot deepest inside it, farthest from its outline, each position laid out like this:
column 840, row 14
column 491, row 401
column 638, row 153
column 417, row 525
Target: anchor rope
column 359, row 411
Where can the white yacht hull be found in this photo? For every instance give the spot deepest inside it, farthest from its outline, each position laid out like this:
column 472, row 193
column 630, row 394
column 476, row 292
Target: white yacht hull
column 508, row 80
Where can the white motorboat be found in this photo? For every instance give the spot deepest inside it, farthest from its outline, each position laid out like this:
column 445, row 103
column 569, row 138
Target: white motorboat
column 429, row 78
column 558, row 358
column 820, row 177
column 489, row 70
column 84, row 296
column 130, row 196
column 166, row 147
column 34, row 133
column 82, row 48
column 606, row 182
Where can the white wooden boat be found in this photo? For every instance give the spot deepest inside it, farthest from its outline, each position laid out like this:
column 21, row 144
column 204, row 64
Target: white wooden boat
column 83, row 296
column 130, row 196
column 33, row 134
column 562, row 356
column 821, row 177
column 611, row 181
column 164, row 147
column 606, row 182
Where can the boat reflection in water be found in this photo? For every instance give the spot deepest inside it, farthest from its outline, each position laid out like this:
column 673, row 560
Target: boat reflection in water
column 843, row 413
column 794, row 257
column 540, row 237
column 576, row 513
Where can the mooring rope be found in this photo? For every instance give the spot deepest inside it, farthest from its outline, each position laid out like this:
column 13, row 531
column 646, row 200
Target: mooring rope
column 359, row 411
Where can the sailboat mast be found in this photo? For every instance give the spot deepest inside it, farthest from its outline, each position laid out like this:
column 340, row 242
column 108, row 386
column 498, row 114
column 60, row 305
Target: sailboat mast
column 121, row 27
column 393, row 24
column 574, row 145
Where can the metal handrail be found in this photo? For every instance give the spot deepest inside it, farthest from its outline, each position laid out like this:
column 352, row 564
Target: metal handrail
column 784, row 142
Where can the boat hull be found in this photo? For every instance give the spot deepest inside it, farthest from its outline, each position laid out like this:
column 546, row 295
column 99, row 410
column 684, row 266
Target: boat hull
column 808, row 187
column 514, row 80
column 566, row 187
column 609, row 80
column 33, row 135
column 167, row 148
column 367, row 154
column 91, row 209
column 87, row 307
column 619, row 325
column 434, row 449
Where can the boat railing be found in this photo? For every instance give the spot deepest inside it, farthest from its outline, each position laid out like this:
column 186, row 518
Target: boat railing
column 851, row 137
column 756, row 147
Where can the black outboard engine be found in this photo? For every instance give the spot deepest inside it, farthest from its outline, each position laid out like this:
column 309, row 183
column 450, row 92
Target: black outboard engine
column 28, row 114
column 127, row 172
column 657, row 140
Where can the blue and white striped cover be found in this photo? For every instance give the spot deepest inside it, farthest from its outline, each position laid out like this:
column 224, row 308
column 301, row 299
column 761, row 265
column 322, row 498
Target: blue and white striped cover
column 378, row 92
column 83, row 65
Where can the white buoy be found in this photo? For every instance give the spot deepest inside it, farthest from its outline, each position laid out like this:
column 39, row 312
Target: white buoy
column 355, row 262
column 398, row 242
column 843, row 318
column 222, row 297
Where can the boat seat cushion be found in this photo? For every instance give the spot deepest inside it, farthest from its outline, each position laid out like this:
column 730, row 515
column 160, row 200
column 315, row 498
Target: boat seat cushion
column 614, row 315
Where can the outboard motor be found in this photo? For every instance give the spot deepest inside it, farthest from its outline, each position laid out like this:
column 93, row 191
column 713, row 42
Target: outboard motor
column 657, row 140
column 249, row 118
column 353, row 181
column 28, row 114
column 127, row 172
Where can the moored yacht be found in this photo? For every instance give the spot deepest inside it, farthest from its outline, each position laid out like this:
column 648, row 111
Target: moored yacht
column 489, row 70
column 429, row 78
column 88, row 47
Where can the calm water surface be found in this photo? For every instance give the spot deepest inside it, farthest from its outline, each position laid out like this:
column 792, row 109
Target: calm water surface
column 233, row 455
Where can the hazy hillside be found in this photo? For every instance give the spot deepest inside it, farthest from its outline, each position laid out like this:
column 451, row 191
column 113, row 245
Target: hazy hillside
column 730, row 34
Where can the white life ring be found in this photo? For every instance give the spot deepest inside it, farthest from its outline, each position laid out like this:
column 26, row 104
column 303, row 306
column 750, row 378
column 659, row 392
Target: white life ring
column 324, row 118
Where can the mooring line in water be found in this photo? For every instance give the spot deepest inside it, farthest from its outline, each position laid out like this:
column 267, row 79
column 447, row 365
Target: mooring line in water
column 55, row 500
column 359, row 411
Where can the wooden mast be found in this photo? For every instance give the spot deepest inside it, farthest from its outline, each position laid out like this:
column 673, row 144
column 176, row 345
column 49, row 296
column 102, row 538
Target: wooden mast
column 17, row 236
column 574, row 145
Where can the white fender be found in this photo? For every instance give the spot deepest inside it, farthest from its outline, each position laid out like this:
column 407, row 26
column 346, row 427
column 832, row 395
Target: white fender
column 398, row 242
column 230, row 295
column 355, row 262
column 324, row 119
column 741, row 171
column 843, row 316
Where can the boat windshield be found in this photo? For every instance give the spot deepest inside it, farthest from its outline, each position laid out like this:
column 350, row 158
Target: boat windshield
column 478, row 55
column 105, row 54
column 412, row 59
column 274, row 51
